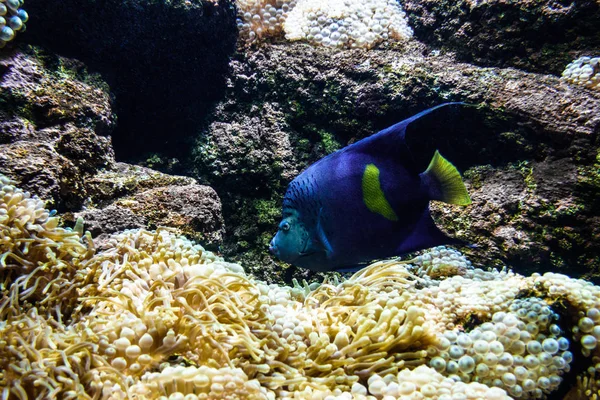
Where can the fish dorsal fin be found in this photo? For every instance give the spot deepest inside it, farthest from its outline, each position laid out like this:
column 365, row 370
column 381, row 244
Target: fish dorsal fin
column 445, row 183
column 373, row 195
column 392, row 140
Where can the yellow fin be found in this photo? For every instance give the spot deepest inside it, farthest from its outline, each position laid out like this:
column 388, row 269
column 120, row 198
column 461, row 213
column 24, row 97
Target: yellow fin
column 452, row 189
column 373, row 194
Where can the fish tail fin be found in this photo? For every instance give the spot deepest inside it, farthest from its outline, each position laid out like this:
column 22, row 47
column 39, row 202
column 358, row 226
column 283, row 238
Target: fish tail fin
column 444, row 182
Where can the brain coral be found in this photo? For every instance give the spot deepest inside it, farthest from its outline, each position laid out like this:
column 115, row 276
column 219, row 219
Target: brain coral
column 335, row 23
column 155, row 316
column 12, row 20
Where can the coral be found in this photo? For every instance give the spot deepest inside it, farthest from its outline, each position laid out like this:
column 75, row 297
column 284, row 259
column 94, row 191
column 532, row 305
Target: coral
column 155, row 316
column 588, row 386
column 40, row 262
column 258, row 19
column 584, row 71
column 347, row 23
column 424, row 382
column 198, row 382
column 440, row 262
column 12, row 20
column 518, row 351
column 337, row 23
column 583, row 300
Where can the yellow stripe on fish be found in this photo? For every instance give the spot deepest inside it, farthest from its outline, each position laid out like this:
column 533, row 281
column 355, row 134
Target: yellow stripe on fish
column 373, row 195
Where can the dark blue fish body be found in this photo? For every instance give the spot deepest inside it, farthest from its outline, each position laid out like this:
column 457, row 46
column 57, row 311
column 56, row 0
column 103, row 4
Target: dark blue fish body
column 363, row 203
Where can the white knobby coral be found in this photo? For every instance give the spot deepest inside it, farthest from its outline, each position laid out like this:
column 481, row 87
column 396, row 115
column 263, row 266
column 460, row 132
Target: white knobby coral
column 335, row 23
column 12, row 19
column 584, row 71
column 260, row 18
column 347, row 23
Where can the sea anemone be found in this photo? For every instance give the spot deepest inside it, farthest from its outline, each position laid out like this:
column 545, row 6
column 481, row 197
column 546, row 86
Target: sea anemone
column 154, row 315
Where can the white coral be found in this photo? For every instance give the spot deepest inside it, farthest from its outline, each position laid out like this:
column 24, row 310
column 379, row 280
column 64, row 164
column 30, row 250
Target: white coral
column 261, row 18
column 335, row 23
column 584, row 71
column 347, row 23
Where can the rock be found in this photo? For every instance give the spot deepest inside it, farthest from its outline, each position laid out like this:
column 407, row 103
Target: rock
column 111, row 219
column 54, row 142
column 534, row 35
column 50, row 91
column 41, row 170
column 129, row 196
column 165, row 61
column 54, row 125
column 194, row 210
column 254, row 149
column 126, row 179
column 528, row 148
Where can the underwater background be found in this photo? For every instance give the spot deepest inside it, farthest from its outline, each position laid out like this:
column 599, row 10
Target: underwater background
column 145, row 150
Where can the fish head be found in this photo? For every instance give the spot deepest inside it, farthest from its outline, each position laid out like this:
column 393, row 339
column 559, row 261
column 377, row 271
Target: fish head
column 291, row 239
column 296, row 244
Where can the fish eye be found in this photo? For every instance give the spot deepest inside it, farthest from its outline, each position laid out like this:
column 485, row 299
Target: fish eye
column 285, row 226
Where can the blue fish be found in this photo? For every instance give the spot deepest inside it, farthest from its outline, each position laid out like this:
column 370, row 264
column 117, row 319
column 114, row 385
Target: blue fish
column 365, row 202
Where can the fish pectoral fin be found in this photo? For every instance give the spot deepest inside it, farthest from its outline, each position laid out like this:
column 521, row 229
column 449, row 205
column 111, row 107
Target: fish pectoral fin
column 322, row 236
column 444, row 182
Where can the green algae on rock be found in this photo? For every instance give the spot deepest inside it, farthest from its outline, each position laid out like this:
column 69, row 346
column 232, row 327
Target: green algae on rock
column 54, row 127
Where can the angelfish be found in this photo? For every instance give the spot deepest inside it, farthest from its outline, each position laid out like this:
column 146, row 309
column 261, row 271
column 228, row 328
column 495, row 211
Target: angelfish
column 363, row 203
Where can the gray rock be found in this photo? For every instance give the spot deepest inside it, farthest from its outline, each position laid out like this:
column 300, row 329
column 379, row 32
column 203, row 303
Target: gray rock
column 125, row 179
column 110, row 219
column 53, row 125
column 194, row 210
column 535, row 35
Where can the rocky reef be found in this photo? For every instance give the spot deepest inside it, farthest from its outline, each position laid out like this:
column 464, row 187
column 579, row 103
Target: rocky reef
column 534, row 35
column 55, row 142
column 529, row 151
